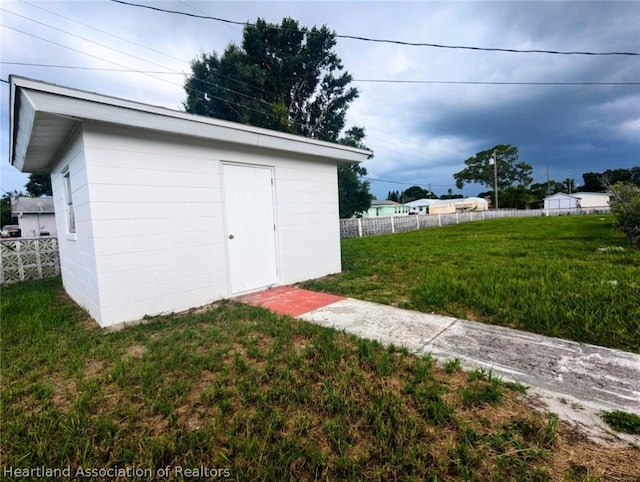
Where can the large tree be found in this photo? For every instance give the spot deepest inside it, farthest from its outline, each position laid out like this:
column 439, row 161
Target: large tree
column 510, row 171
column 39, row 185
column 540, row 190
column 5, row 208
column 353, row 192
column 600, row 181
column 282, row 77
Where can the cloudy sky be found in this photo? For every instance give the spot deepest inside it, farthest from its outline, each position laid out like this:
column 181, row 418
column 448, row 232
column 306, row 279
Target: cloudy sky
column 421, row 133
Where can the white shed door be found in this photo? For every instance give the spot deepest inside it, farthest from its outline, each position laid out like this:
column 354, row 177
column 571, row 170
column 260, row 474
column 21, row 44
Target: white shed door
column 250, row 221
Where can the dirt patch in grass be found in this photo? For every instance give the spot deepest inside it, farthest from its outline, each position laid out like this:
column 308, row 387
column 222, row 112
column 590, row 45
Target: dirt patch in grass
column 65, row 392
column 575, row 455
column 94, row 368
column 135, row 351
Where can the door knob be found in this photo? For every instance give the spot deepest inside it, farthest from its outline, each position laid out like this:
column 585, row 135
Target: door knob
column 231, row 236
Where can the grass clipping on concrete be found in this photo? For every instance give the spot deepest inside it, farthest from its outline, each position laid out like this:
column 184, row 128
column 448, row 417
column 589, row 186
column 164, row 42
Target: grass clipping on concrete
column 573, row 277
column 265, row 397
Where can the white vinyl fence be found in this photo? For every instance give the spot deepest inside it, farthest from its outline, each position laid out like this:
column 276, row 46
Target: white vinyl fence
column 28, row 258
column 361, row 227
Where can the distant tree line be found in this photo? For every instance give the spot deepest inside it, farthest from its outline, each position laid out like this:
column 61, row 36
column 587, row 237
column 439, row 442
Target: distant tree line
column 500, row 165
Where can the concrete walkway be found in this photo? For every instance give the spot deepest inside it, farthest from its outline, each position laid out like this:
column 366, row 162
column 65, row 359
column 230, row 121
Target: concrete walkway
column 575, row 380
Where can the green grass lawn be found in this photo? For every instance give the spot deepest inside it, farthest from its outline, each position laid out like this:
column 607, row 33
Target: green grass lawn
column 257, row 396
column 545, row 275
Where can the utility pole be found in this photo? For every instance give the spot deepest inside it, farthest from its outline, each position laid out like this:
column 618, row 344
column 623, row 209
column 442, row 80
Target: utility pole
column 548, row 183
column 495, row 176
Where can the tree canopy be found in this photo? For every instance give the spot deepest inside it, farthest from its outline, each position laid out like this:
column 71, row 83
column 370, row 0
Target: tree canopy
column 39, row 185
column 353, row 192
column 600, row 181
column 513, row 176
column 510, row 171
column 283, row 77
column 410, row 194
column 5, row 208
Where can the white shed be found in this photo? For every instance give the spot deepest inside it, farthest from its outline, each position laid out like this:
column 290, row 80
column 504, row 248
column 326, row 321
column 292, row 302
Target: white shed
column 560, row 200
column 160, row 211
column 576, row 200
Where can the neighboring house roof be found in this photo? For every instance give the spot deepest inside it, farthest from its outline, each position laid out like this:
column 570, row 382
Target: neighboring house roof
column 384, row 202
column 581, row 195
column 422, row 202
column 601, row 195
column 479, row 200
column 31, row 205
column 43, row 115
column 431, row 202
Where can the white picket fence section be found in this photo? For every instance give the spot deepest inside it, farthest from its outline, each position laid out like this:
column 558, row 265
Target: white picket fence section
column 28, row 258
column 362, row 227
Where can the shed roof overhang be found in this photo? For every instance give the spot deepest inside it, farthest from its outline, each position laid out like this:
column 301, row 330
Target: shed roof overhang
column 43, row 116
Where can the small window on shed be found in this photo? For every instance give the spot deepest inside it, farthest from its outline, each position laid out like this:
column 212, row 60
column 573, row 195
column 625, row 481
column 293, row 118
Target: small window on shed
column 71, row 218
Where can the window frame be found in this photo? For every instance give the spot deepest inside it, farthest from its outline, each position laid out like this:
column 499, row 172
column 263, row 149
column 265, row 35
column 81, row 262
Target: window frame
column 68, row 197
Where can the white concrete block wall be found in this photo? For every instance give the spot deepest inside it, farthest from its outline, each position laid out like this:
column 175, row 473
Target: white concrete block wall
column 307, row 210
column 158, row 224
column 79, row 272
column 157, row 220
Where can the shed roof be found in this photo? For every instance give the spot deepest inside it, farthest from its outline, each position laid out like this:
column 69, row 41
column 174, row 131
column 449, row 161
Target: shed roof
column 30, row 205
column 43, row 115
column 580, row 195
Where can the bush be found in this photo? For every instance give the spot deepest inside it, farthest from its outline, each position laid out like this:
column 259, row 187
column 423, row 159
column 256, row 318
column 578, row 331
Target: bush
column 625, row 206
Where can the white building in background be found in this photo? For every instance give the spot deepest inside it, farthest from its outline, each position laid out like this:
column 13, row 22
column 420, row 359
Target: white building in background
column 36, row 216
column 447, row 206
column 578, row 200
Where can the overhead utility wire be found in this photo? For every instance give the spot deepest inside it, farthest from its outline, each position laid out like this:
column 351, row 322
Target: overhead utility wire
column 368, row 39
column 473, row 82
column 77, row 67
column 135, row 71
column 259, row 111
column 138, row 58
column 391, row 81
column 83, row 38
column 122, row 52
column 408, row 183
column 143, row 46
column 102, row 31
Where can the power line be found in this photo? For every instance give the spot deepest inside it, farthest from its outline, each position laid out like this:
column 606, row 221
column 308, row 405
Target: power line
column 143, row 72
column 102, row 31
column 144, row 47
column 84, row 38
column 480, row 82
column 77, row 67
column 135, row 57
column 368, row 39
column 391, row 81
column 122, row 52
column 406, row 183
